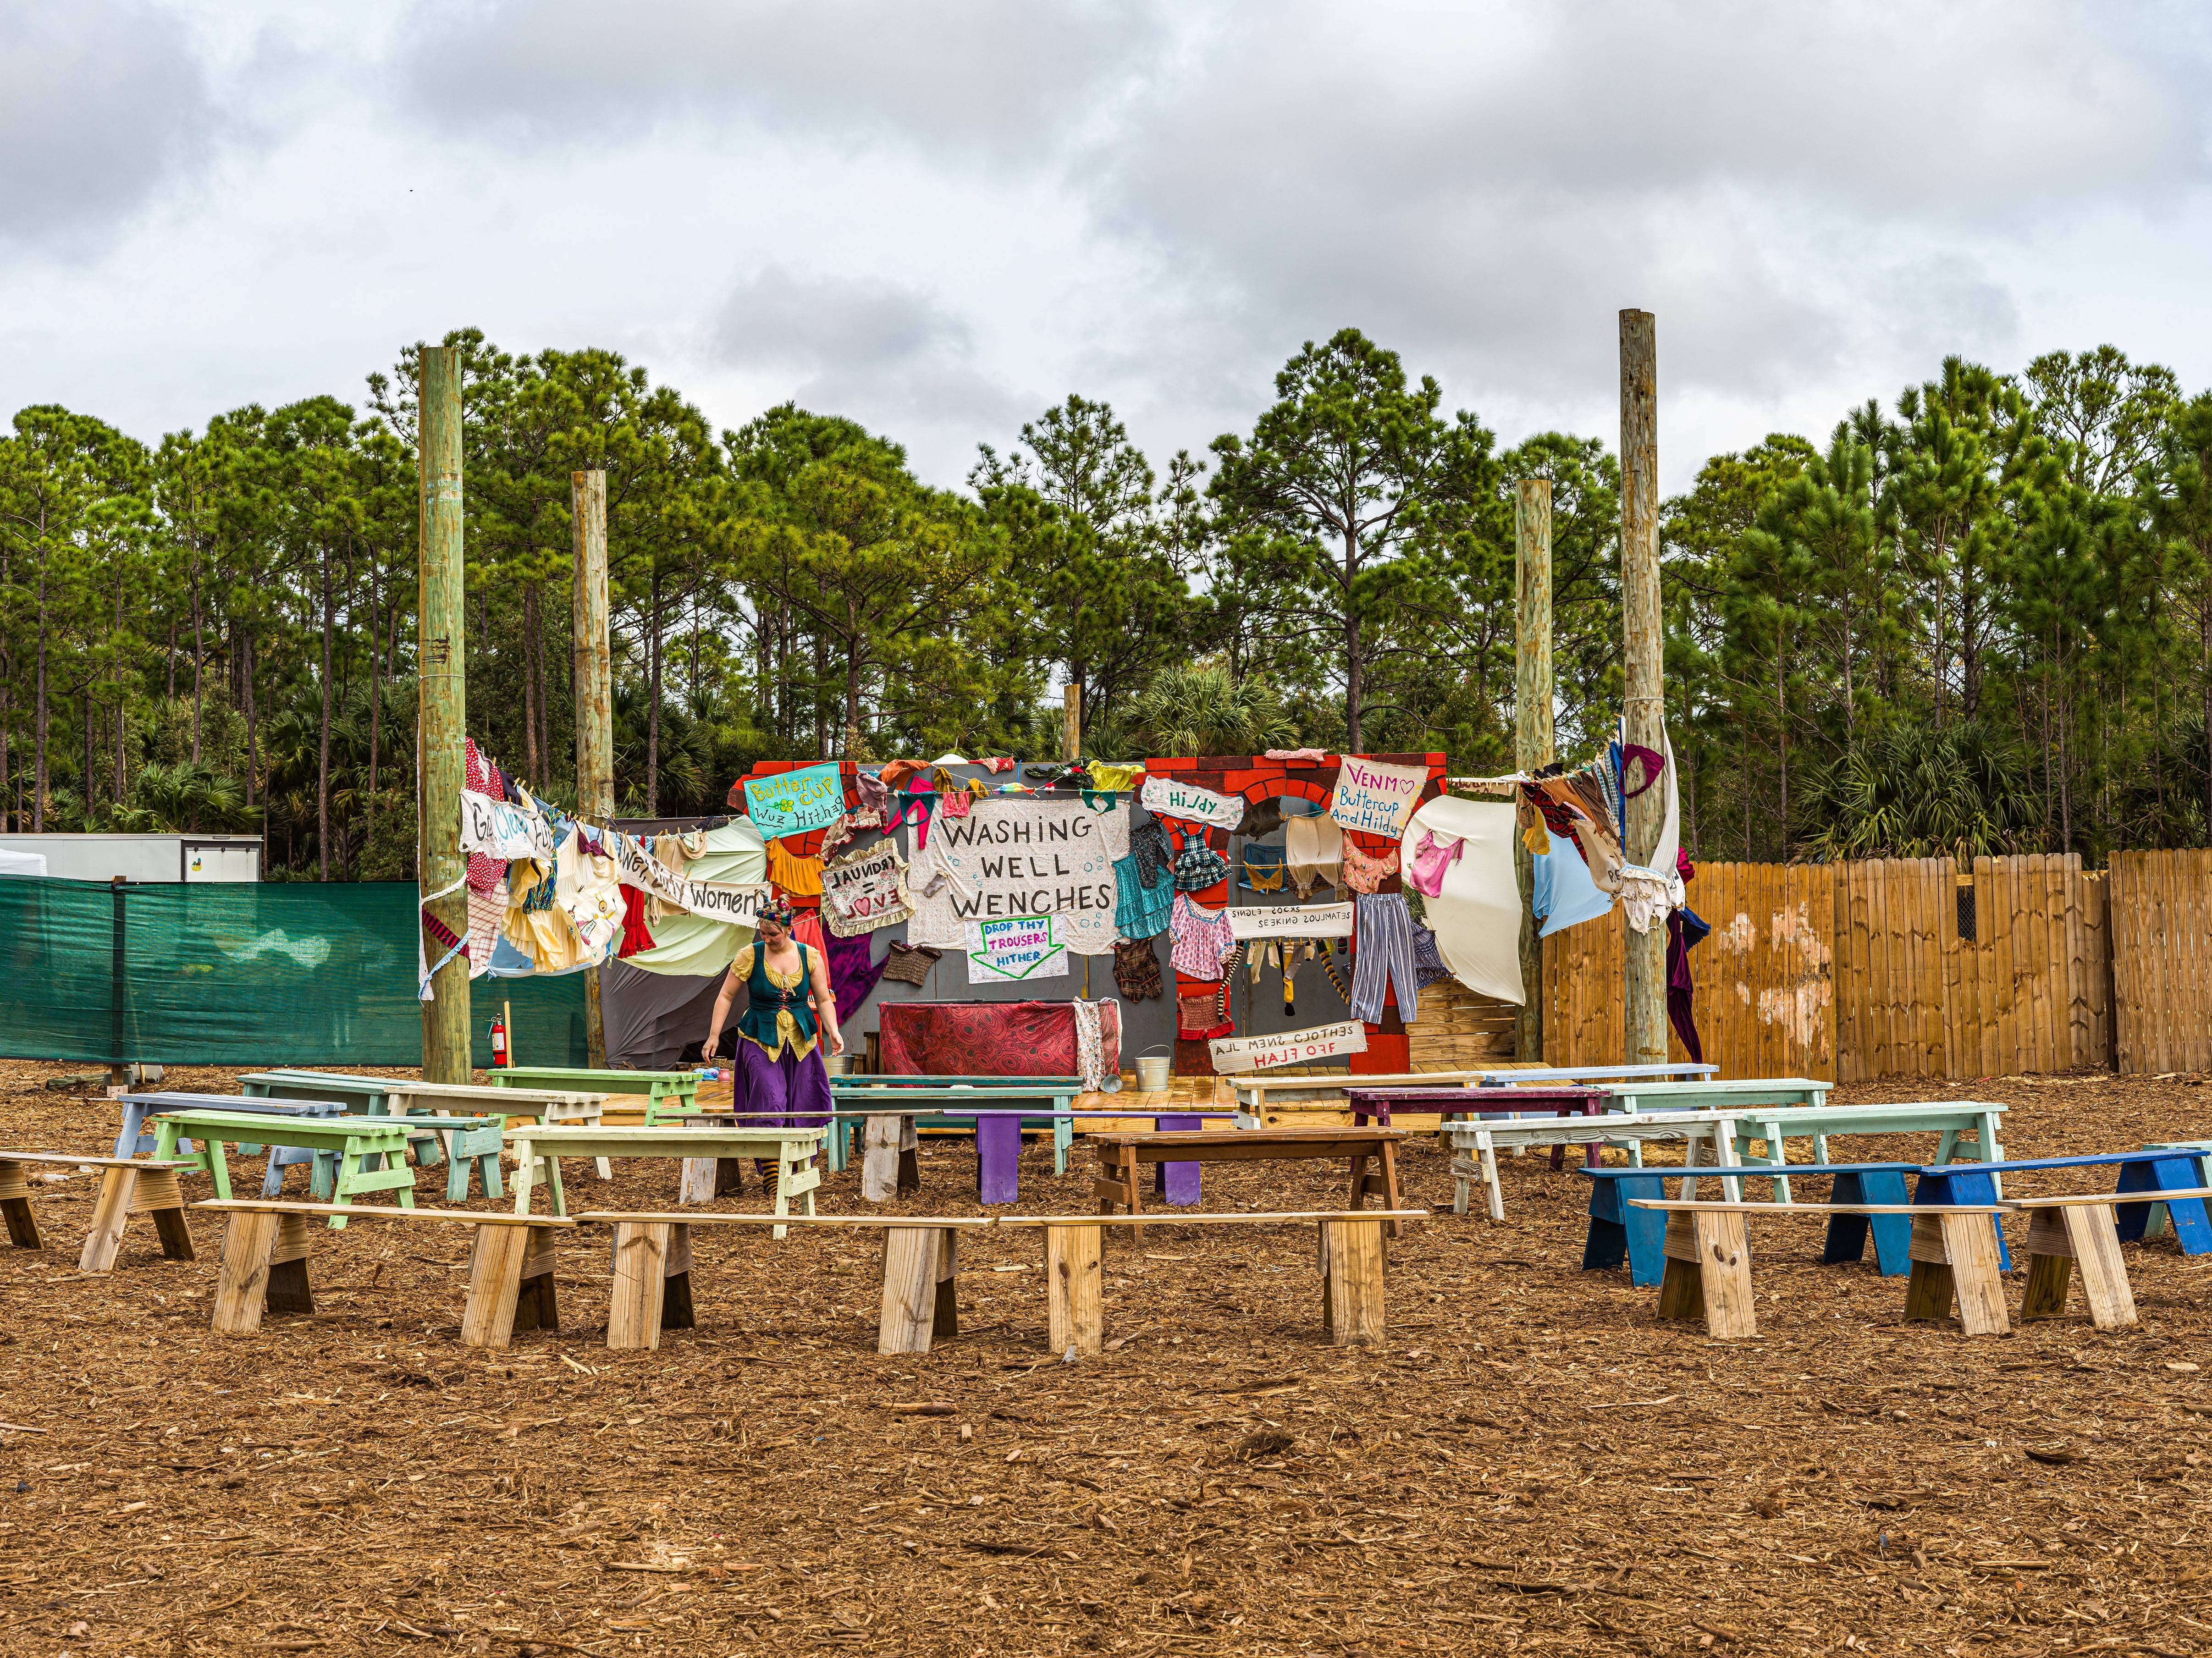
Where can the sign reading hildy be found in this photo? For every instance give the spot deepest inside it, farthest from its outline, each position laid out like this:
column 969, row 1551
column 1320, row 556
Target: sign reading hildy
column 1165, row 796
column 1374, row 797
column 1236, row 1053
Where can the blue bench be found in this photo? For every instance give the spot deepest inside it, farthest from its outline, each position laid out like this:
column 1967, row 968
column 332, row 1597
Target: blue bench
column 1619, row 1232
column 2151, row 1170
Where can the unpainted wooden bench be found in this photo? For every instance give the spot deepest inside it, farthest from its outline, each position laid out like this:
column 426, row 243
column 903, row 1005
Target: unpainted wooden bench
column 921, row 1265
column 2079, row 1233
column 128, row 1186
column 1708, row 1253
column 264, row 1265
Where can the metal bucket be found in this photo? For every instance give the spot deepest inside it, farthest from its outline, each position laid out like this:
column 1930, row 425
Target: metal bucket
column 839, row 1065
column 1153, row 1074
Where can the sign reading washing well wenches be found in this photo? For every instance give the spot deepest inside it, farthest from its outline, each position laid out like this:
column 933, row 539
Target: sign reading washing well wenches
column 1234, row 1053
column 1163, row 797
column 500, row 830
column 1291, row 921
column 717, row 901
column 864, row 890
column 1014, row 855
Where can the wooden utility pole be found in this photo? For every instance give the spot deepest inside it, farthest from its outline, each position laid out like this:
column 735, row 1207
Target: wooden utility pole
column 1642, row 643
column 594, row 694
column 441, row 709
column 1072, row 721
column 1532, row 726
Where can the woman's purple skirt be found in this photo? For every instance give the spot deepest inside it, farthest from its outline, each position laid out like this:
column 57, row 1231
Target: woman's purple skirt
column 784, row 1092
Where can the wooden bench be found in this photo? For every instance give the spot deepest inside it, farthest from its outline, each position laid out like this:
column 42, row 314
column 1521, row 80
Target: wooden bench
column 538, row 1149
column 998, row 1131
column 667, row 1094
column 1257, row 1096
column 2147, row 1175
column 1708, row 1254
column 652, row 1265
column 128, row 1186
column 2079, row 1233
column 264, row 1265
column 1121, row 1155
column 1864, row 1199
column 371, row 1152
column 378, row 1097
column 137, row 1139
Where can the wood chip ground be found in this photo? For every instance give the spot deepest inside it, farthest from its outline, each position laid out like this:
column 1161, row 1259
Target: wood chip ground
column 1531, row 1463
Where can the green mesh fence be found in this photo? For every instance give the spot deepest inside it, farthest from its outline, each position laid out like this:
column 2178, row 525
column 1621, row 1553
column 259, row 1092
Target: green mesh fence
column 239, row 972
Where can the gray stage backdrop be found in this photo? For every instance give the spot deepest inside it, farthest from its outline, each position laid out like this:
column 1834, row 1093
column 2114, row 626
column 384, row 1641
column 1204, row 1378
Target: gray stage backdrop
column 650, row 1017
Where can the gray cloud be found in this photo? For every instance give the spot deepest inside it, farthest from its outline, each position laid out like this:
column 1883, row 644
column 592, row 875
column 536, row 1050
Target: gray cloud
column 101, row 102
column 1001, row 75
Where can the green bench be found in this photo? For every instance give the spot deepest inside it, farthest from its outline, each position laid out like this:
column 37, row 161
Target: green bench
column 538, row 1150
column 666, row 1093
column 370, row 1152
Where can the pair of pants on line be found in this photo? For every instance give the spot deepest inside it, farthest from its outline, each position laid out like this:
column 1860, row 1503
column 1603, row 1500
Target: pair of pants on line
column 1385, row 956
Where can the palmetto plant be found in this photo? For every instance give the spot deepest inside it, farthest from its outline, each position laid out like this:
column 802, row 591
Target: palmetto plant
column 185, row 798
column 1202, row 708
column 1917, row 792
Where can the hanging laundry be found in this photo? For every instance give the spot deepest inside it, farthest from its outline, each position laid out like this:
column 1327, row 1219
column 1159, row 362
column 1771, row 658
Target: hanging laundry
column 1304, row 756
column 1137, row 970
column 851, row 976
column 1313, row 848
column 1383, row 960
column 1140, row 912
column 807, row 929
column 588, row 891
column 1198, row 866
column 535, row 925
column 1365, row 874
column 1264, row 870
column 635, row 936
column 794, row 875
column 1561, row 892
column 1201, row 1018
column 1425, row 869
column 1150, row 846
column 485, row 871
column 1476, row 911
column 998, row 763
column 1119, row 779
column 1685, row 930
column 875, row 796
column 1428, row 961
column 910, row 963
column 895, row 773
column 1647, row 896
column 1202, row 939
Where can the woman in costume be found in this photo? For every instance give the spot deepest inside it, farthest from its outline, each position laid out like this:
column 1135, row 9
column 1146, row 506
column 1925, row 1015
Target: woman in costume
column 777, row 1076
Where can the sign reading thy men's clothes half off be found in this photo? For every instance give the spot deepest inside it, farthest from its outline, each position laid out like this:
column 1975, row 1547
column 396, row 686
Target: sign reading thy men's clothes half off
column 1234, row 1053
column 1375, row 797
column 794, row 802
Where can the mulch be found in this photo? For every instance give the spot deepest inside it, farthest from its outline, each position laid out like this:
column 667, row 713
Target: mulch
column 1530, row 1463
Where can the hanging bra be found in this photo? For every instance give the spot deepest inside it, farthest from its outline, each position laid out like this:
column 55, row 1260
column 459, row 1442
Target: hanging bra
column 1365, row 874
column 1264, row 869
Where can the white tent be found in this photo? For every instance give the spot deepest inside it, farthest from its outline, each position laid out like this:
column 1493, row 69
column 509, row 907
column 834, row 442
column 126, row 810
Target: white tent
column 21, row 863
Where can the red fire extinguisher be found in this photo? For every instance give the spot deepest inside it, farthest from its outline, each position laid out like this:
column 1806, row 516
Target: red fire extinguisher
column 499, row 1043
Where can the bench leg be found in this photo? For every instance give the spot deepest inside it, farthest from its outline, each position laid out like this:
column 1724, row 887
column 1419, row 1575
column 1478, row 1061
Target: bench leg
column 945, row 1324
column 494, row 1282
column 1063, row 1142
column 110, row 1212
column 1724, row 1275
column 160, row 1194
column 633, row 1311
column 1970, row 1242
column 16, row 1205
column 1354, row 1288
column 909, row 1317
column 1928, row 1292
column 536, row 1307
column 2096, row 1244
column 288, row 1289
column 697, row 1183
column 1075, row 1268
column 241, row 1288
column 1680, row 1297
column 998, row 1159
column 676, row 1312
column 1390, row 1186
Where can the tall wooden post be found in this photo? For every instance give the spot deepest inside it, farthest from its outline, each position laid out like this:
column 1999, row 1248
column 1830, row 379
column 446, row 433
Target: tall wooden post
column 441, row 709
column 1072, row 721
column 1532, row 726
column 1646, row 952
column 594, row 693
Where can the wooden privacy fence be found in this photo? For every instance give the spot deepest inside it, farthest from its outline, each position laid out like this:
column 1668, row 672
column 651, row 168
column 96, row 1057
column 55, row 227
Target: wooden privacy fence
column 1894, row 967
column 2161, row 930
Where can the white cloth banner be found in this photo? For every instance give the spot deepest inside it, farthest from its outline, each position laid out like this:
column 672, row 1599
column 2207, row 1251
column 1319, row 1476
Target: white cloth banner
column 500, row 830
column 864, row 890
column 1014, row 856
column 717, row 901
column 1375, row 797
column 1477, row 916
column 1234, row 1053
column 1021, row 947
column 1163, row 797
column 1291, row 921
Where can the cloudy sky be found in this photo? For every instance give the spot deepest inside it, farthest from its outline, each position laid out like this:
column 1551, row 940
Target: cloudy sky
column 940, row 218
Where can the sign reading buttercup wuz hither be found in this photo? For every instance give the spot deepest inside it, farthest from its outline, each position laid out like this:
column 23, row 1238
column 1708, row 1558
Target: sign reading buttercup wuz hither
column 1234, row 1053
column 1374, row 797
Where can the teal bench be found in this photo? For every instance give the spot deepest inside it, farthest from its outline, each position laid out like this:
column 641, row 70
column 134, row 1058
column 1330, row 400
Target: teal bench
column 369, row 1153
column 666, row 1093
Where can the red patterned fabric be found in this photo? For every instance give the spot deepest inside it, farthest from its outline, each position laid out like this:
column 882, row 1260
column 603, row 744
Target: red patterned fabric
column 990, row 1039
column 485, row 871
